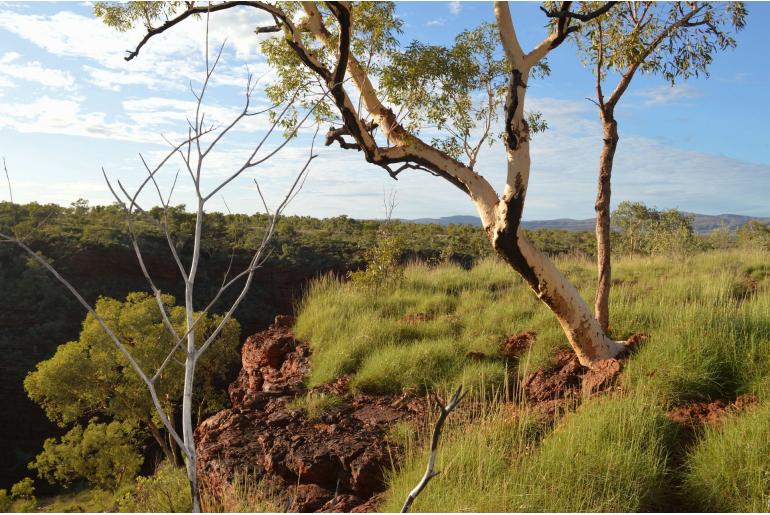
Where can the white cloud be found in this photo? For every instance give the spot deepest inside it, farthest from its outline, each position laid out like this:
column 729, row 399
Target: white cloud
column 169, row 60
column 455, row 7
column 565, row 162
column 64, row 116
column 9, row 57
column 666, row 94
column 33, row 71
column 435, row 23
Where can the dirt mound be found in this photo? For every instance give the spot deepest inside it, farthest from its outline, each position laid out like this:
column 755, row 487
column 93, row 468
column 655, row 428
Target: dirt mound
column 516, row 345
column 568, row 378
column 332, row 463
column 552, row 389
column 697, row 414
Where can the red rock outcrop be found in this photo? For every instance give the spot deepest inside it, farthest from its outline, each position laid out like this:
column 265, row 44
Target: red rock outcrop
column 335, row 463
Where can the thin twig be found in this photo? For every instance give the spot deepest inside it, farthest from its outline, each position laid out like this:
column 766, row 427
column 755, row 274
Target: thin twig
column 8, row 178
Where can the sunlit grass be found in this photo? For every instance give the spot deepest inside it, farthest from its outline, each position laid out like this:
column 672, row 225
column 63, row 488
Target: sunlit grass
column 610, row 455
column 707, row 324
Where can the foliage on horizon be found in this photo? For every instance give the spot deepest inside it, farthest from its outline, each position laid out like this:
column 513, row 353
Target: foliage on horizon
column 645, row 230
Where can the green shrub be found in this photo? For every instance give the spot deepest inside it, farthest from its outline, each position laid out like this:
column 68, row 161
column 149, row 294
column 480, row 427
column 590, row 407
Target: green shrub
column 382, row 262
column 167, row 490
column 5, row 501
column 22, row 495
column 103, row 454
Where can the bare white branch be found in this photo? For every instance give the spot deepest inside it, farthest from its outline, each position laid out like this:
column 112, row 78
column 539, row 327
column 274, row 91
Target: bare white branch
column 430, row 471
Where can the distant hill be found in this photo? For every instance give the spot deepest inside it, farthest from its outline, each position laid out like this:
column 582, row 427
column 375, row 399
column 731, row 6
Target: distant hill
column 702, row 224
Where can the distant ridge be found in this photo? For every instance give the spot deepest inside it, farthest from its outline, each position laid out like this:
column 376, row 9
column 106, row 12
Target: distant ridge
column 701, row 224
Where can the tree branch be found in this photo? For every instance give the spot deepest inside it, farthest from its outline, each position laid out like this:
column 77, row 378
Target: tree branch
column 564, row 12
column 8, row 178
column 192, row 10
column 430, row 472
column 625, row 79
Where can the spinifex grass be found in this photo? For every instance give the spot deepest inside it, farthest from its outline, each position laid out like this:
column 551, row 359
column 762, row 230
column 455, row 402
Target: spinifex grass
column 610, row 455
column 729, row 468
column 315, row 404
column 707, row 321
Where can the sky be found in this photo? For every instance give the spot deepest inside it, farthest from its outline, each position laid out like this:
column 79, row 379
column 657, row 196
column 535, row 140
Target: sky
column 70, row 106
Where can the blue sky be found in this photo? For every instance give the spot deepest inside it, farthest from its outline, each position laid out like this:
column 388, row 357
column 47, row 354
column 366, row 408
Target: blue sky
column 70, row 105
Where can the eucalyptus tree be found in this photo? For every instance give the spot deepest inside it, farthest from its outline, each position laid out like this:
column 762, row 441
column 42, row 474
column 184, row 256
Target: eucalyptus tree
column 673, row 40
column 347, row 52
column 192, row 154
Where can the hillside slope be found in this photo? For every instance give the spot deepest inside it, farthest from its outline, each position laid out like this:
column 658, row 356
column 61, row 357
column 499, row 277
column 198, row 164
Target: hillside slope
column 706, row 345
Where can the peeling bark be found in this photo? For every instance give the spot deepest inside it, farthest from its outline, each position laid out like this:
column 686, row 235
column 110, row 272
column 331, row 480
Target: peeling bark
column 582, row 329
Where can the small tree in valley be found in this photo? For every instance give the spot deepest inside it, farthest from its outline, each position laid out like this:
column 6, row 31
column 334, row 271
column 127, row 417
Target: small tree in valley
column 89, row 378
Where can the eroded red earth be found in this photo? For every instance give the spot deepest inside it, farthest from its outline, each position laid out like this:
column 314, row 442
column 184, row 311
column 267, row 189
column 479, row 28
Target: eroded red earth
column 336, row 462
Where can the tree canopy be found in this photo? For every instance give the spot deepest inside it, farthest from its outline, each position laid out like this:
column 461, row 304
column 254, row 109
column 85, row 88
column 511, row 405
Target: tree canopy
column 88, row 381
column 675, row 40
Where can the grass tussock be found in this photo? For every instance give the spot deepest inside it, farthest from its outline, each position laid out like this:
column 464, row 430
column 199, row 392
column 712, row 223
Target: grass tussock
column 429, row 330
column 315, row 404
column 729, row 468
column 245, row 494
column 609, row 455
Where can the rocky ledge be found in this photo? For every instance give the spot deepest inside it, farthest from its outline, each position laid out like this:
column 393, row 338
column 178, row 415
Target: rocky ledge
column 332, row 463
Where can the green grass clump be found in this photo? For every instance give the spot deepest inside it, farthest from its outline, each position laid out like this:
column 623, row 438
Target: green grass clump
column 610, row 455
column 315, row 404
column 419, row 365
column 245, row 494
column 711, row 345
column 729, row 468
column 419, row 333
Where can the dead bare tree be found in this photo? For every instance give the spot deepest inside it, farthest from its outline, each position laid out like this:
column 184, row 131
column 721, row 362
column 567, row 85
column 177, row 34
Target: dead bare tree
column 202, row 138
